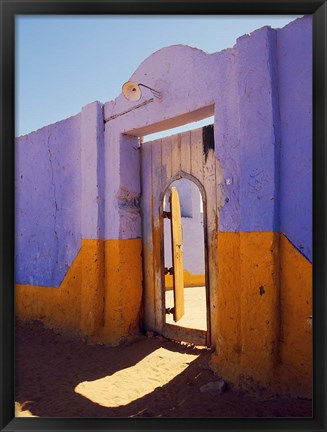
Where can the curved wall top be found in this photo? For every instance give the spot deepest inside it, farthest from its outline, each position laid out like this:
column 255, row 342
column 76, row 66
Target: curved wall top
column 240, row 86
column 187, row 79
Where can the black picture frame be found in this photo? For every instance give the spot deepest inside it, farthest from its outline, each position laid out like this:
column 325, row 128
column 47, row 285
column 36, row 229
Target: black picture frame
column 8, row 10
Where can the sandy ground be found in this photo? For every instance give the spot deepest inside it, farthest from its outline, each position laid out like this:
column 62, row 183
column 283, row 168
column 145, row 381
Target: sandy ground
column 194, row 307
column 58, row 376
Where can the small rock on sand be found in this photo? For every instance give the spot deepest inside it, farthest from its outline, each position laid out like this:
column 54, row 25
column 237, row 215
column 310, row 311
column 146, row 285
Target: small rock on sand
column 214, row 386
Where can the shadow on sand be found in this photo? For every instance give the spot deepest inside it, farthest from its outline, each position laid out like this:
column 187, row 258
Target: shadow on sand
column 49, row 367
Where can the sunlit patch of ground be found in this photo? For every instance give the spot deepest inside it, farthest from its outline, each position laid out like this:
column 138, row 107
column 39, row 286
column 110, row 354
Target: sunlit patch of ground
column 21, row 411
column 151, row 377
column 127, row 385
column 194, row 306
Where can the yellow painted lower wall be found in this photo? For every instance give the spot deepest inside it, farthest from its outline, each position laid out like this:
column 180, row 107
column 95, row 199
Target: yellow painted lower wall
column 264, row 301
column 99, row 298
column 263, row 326
column 190, row 280
column 296, row 320
column 123, row 289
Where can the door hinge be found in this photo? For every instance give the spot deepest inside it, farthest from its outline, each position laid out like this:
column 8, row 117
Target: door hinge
column 170, row 311
column 167, row 215
column 169, row 270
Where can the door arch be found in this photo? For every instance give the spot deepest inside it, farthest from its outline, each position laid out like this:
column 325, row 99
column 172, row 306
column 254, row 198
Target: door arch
column 202, row 337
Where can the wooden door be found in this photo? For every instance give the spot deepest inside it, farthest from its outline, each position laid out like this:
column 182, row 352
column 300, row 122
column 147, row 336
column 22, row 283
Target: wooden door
column 177, row 254
column 163, row 161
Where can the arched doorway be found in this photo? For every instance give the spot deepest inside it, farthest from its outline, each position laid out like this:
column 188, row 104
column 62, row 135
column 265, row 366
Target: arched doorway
column 190, row 291
column 185, row 156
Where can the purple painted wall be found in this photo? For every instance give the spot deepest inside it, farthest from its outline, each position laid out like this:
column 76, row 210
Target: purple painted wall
column 78, row 179
column 247, row 135
column 294, row 48
column 48, row 202
column 92, row 171
column 264, row 141
column 259, row 131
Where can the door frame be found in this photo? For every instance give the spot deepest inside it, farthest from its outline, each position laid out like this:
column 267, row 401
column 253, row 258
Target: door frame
column 195, row 334
column 163, row 160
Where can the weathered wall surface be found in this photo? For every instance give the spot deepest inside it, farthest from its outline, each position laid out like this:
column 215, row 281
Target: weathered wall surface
column 265, row 227
column 68, row 275
column 295, row 96
column 294, row 45
column 93, row 301
column 48, row 202
column 79, row 205
column 247, row 135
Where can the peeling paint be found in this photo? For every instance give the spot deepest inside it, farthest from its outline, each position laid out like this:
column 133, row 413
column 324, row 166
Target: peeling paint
column 128, row 200
column 208, row 140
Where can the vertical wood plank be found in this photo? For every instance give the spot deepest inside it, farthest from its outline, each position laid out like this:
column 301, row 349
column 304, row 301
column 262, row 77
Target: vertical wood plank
column 197, row 154
column 165, row 176
column 186, row 152
column 165, row 160
column 175, row 154
column 147, row 217
column 219, row 186
column 179, row 144
column 156, row 189
column 177, row 252
column 209, row 182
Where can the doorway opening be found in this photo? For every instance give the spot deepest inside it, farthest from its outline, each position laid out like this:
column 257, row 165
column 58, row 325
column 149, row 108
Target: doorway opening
column 185, row 276
column 188, row 155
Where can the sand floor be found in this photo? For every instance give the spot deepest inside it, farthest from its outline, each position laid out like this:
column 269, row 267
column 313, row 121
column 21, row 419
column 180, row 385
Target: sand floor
column 194, row 306
column 57, row 376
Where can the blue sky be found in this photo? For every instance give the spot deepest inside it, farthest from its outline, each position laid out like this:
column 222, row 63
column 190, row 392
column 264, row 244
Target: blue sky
column 66, row 62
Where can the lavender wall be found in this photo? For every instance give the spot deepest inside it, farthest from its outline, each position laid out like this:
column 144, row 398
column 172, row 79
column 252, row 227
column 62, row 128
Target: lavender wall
column 92, row 171
column 247, row 134
column 74, row 180
column 264, row 140
column 295, row 96
column 240, row 85
column 48, row 202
